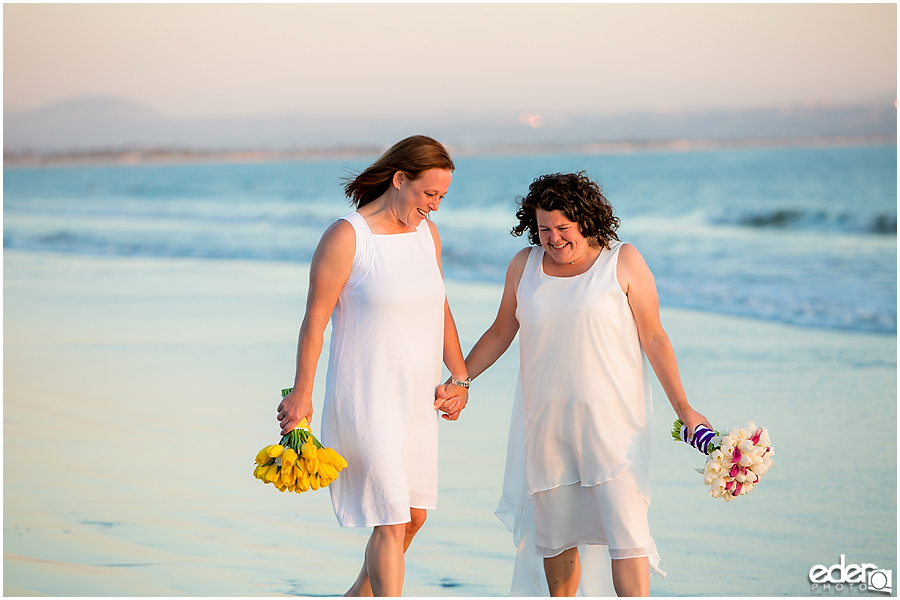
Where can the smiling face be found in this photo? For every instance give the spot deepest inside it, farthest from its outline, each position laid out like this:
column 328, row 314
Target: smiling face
column 419, row 197
column 560, row 237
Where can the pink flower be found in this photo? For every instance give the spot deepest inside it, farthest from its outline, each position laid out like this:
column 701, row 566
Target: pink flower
column 756, row 436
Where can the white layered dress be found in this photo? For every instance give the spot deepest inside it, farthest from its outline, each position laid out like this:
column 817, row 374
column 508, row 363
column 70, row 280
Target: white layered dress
column 384, row 364
column 581, row 428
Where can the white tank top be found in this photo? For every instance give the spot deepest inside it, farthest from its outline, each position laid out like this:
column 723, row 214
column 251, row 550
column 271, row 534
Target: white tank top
column 584, row 378
column 385, row 361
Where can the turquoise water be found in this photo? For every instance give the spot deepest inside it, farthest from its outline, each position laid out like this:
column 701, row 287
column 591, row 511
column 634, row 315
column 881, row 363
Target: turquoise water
column 801, row 236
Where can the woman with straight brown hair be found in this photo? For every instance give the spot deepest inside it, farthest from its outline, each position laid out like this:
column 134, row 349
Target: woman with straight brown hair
column 377, row 274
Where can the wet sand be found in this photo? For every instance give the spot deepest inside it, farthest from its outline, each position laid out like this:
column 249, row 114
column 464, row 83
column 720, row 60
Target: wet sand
column 137, row 391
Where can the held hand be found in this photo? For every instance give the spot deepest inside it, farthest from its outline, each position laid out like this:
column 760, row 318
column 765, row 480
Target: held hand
column 450, row 399
column 440, row 394
column 692, row 419
column 292, row 410
column 444, row 401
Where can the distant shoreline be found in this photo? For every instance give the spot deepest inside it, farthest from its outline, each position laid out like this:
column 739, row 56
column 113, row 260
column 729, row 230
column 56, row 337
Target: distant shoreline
column 154, row 155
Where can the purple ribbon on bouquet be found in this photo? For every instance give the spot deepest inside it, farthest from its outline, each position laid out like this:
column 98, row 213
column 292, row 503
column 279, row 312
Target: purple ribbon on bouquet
column 703, row 436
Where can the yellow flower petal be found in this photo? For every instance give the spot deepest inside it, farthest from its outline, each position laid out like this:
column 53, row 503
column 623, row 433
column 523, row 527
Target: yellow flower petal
column 308, row 450
column 336, row 459
column 262, row 456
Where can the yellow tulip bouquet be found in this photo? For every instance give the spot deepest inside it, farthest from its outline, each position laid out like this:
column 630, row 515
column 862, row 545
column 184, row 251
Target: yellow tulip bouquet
column 299, row 462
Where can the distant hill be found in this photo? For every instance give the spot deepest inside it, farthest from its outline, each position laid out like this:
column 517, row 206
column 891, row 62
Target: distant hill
column 92, row 124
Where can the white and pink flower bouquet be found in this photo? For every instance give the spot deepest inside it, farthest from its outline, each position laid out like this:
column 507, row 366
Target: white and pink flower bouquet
column 736, row 460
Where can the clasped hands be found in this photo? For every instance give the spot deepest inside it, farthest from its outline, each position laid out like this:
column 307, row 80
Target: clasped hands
column 450, row 399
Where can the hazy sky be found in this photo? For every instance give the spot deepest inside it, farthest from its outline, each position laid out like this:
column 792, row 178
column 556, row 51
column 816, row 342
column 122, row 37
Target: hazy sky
column 236, row 59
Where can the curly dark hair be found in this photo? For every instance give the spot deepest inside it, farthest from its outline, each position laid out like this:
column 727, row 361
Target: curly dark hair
column 577, row 197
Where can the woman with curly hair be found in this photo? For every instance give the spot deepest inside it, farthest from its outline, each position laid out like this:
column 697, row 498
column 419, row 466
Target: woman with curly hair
column 586, row 309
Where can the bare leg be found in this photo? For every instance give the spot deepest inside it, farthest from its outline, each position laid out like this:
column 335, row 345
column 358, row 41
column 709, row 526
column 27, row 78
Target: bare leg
column 563, row 573
column 362, row 587
column 416, row 520
column 631, row 576
column 384, row 560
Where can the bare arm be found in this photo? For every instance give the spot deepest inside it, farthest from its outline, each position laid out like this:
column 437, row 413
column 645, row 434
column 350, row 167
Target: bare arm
column 496, row 340
column 638, row 284
column 456, row 397
column 330, row 268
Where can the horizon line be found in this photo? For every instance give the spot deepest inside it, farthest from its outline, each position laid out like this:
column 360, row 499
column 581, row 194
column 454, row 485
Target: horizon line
column 140, row 155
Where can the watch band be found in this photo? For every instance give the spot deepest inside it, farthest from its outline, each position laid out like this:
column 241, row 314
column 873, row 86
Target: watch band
column 464, row 384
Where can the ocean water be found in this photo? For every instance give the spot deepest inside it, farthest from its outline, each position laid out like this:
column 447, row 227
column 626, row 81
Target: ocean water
column 806, row 236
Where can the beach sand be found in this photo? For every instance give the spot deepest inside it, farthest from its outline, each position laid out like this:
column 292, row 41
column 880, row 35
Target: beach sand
column 137, row 392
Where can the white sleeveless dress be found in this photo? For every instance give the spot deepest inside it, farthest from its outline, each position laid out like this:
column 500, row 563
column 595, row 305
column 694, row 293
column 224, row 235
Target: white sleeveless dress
column 384, row 363
column 581, row 428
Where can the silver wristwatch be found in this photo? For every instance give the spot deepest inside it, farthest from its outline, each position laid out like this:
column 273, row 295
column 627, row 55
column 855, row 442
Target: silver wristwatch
column 464, row 384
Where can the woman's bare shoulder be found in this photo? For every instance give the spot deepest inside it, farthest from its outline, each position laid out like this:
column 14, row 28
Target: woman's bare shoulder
column 338, row 242
column 517, row 265
column 520, row 258
column 631, row 267
column 433, row 227
column 629, row 256
column 341, row 232
column 628, row 251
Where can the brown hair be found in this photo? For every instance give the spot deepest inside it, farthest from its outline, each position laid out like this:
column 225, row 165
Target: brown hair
column 413, row 156
column 577, row 197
